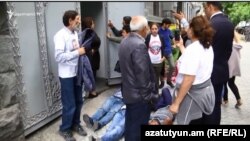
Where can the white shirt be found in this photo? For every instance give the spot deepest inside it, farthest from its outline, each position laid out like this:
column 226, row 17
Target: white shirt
column 66, row 43
column 196, row 61
column 154, row 49
column 216, row 13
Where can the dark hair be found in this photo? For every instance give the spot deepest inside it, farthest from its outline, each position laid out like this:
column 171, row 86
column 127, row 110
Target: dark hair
column 87, row 22
column 215, row 4
column 202, row 30
column 166, row 21
column 154, row 24
column 127, row 20
column 70, row 14
column 126, row 28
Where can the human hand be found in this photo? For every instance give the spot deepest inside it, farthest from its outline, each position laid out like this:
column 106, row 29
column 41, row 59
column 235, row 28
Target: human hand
column 174, row 109
column 178, row 16
column 162, row 59
column 108, row 34
column 81, row 50
column 178, row 43
column 110, row 24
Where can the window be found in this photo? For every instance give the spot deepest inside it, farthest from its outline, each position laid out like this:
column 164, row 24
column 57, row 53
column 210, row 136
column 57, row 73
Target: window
column 156, row 7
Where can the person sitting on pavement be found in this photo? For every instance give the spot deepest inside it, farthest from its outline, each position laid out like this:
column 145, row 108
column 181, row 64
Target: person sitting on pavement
column 105, row 113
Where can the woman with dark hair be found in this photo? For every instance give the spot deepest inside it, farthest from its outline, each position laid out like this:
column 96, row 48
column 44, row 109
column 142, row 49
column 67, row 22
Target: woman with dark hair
column 156, row 46
column 92, row 49
column 194, row 93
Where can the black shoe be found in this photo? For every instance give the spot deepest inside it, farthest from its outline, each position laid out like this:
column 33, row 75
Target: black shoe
column 161, row 85
column 170, row 84
column 88, row 121
column 68, row 136
column 96, row 125
column 78, row 129
column 92, row 95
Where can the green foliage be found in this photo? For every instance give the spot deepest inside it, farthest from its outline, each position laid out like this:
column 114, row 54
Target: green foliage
column 237, row 11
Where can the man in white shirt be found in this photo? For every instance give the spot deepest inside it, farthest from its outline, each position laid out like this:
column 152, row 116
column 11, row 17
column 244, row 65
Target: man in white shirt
column 67, row 52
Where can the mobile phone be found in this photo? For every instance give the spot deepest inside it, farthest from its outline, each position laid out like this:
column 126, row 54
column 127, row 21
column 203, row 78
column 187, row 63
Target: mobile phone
column 177, row 35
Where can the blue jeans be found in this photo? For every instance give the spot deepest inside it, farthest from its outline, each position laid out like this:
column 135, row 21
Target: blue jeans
column 72, row 101
column 109, row 108
column 116, row 129
column 137, row 114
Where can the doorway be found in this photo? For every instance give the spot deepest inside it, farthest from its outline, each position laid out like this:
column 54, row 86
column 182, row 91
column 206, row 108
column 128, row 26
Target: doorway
column 96, row 10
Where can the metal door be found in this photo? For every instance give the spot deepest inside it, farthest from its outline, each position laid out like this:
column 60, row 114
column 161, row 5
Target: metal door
column 115, row 12
column 33, row 27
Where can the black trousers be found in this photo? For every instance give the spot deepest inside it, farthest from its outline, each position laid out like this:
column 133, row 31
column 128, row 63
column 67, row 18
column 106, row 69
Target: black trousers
column 137, row 114
column 233, row 87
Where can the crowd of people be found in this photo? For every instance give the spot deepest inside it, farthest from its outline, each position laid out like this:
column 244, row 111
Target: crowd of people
column 209, row 60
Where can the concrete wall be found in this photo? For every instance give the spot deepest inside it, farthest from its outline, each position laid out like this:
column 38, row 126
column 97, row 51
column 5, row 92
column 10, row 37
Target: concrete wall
column 11, row 127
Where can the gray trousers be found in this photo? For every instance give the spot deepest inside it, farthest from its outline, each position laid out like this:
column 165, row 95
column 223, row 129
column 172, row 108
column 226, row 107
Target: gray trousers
column 171, row 64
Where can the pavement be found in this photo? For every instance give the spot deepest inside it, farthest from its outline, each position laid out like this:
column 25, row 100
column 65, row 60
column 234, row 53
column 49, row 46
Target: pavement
column 230, row 115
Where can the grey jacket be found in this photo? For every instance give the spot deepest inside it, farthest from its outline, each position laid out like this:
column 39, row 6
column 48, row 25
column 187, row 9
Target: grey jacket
column 138, row 82
column 200, row 99
column 234, row 61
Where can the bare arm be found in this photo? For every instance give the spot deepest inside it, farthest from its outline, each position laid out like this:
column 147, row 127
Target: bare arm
column 181, row 17
column 182, row 92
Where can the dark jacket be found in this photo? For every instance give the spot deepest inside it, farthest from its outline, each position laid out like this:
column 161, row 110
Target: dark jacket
column 117, row 32
column 85, row 73
column 222, row 47
column 94, row 58
column 138, row 80
column 147, row 40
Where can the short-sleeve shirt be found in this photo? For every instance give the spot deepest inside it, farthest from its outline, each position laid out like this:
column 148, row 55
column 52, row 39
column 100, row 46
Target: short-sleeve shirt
column 197, row 61
column 154, row 49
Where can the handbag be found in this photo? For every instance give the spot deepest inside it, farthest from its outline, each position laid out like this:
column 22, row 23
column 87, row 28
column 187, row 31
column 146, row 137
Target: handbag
column 117, row 67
